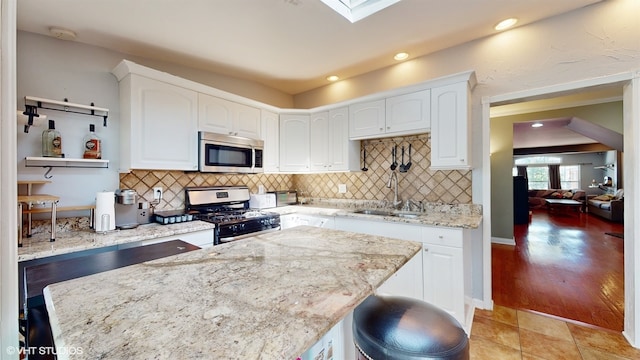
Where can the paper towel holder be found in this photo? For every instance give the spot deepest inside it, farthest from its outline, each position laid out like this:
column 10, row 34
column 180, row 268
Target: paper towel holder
column 30, row 111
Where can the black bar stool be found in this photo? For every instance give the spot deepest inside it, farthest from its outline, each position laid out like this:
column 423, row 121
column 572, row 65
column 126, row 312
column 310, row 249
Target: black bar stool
column 397, row 328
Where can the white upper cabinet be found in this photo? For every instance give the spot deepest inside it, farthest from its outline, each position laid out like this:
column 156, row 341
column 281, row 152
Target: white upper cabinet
column 271, row 136
column 294, row 143
column 405, row 114
column 367, row 119
column 408, row 113
column 227, row 117
column 450, row 138
column 344, row 154
column 329, row 146
column 319, row 141
column 158, row 125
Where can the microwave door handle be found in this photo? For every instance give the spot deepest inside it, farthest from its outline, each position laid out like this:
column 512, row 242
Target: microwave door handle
column 253, row 158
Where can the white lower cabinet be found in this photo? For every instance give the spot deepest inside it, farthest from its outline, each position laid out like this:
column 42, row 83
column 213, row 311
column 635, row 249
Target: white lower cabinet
column 292, row 220
column 446, row 271
column 407, row 281
column 439, row 274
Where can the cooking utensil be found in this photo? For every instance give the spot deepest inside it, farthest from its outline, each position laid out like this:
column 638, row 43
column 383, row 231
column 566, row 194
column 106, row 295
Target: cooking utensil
column 364, row 160
column 408, row 165
column 394, row 163
column 402, row 165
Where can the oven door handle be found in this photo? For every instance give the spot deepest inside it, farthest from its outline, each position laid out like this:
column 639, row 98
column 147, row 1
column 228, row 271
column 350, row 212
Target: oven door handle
column 234, row 238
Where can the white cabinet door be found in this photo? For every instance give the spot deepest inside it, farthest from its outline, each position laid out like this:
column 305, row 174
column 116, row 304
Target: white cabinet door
column 227, row 117
column 247, row 121
column 271, row 136
column 407, row 281
column 319, row 141
column 329, row 146
column 215, row 115
column 344, row 154
column 447, row 271
column 444, row 279
column 450, row 140
column 315, row 220
column 409, row 112
column 288, row 221
column 398, row 115
column 158, row 125
column 367, row 119
column 380, row 228
column 294, row 143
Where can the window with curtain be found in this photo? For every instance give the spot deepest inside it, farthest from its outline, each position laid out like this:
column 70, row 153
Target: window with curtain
column 537, row 172
column 570, row 176
column 538, row 177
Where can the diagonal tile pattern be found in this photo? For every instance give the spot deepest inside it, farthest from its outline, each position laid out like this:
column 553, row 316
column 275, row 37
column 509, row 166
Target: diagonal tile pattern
column 418, row 183
column 506, row 333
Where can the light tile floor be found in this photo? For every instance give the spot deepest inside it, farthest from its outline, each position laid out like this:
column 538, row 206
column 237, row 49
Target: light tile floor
column 506, row 333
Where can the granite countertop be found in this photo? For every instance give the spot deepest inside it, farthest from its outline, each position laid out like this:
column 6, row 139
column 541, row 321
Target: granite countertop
column 457, row 216
column 270, row 296
column 39, row 246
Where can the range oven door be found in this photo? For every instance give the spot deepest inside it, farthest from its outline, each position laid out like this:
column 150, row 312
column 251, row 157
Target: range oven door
column 229, row 154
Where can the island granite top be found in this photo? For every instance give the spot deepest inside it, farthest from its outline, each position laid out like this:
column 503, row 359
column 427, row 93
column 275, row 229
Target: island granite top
column 39, row 246
column 270, row 296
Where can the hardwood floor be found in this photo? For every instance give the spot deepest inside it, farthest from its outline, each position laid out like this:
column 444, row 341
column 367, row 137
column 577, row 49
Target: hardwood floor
column 563, row 265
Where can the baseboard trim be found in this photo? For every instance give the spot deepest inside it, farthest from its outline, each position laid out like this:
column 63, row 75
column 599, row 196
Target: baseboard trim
column 503, row 241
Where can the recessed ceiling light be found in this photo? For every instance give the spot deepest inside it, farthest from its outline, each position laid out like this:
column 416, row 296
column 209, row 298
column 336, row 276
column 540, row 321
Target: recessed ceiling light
column 62, row 34
column 505, row 24
column 333, row 78
column 401, row 56
column 536, row 125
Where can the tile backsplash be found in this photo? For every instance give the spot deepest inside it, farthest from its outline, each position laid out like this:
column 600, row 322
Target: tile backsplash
column 418, row 183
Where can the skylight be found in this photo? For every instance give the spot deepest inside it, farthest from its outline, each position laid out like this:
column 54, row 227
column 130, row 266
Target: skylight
column 354, row 10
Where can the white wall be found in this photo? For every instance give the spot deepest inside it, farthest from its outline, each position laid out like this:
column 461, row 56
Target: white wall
column 55, row 69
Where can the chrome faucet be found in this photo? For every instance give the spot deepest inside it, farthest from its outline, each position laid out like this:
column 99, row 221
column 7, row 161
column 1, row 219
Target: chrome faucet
column 393, row 176
column 409, row 203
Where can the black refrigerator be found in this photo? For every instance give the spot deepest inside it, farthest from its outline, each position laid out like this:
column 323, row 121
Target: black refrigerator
column 520, row 200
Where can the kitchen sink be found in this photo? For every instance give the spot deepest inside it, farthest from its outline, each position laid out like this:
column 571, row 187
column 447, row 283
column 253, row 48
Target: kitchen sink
column 403, row 214
column 409, row 215
column 374, row 212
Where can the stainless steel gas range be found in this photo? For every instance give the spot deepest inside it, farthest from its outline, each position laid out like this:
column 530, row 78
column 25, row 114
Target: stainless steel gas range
column 228, row 208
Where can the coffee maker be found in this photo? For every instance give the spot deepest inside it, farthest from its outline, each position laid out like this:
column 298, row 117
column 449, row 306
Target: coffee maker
column 129, row 211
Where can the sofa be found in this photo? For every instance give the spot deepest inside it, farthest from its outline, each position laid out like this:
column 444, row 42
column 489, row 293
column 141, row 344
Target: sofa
column 608, row 206
column 537, row 198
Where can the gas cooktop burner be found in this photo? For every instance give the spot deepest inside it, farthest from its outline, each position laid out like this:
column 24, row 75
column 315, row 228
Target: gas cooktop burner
column 228, row 208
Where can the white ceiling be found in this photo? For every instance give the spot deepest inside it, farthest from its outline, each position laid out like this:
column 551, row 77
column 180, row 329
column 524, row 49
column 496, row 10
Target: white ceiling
column 290, row 45
column 555, row 132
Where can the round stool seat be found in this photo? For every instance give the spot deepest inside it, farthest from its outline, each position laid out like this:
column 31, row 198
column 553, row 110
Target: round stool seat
column 397, row 328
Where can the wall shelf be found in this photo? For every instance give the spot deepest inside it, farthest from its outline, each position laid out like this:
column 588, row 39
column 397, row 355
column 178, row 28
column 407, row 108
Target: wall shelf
column 33, row 103
column 36, row 161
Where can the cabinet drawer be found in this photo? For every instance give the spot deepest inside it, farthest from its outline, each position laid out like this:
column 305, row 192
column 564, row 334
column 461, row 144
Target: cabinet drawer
column 442, row 236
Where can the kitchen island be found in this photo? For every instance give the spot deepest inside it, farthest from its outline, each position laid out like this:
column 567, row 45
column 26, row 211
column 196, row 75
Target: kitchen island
column 271, row 296
column 38, row 246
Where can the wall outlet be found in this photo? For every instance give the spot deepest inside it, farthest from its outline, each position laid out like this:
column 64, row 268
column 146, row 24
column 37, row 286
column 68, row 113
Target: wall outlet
column 342, row 188
column 157, row 193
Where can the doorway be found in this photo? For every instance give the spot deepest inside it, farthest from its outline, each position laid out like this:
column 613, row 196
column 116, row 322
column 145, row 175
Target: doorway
column 629, row 84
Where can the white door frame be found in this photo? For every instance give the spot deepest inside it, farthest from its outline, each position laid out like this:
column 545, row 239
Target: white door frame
column 8, row 175
column 630, row 81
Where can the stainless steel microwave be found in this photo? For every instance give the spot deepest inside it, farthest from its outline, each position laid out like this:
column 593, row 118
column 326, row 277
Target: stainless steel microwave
column 229, row 154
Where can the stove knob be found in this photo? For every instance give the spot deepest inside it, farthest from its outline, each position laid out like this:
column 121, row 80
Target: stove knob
column 234, row 228
column 242, row 226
